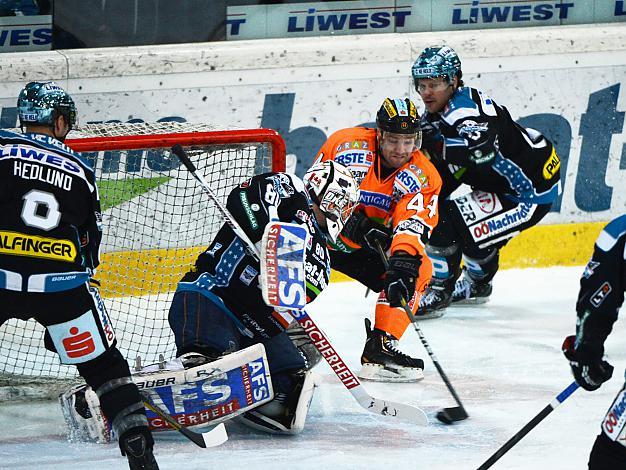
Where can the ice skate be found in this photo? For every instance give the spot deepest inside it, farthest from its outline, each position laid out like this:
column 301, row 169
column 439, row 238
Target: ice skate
column 434, row 301
column 383, row 362
column 468, row 291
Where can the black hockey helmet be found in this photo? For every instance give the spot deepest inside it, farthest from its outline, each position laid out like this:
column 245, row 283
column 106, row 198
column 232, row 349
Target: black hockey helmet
column 398, row 116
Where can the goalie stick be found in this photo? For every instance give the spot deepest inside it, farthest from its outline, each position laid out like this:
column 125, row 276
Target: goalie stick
column 320, row 341
column 445, row 415
column 560, row 398
column 211, row 438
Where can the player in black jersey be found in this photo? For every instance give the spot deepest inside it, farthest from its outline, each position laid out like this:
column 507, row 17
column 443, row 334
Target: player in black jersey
column 50, row 231
column 218, row 306
column 601, row 295
column 513, row 173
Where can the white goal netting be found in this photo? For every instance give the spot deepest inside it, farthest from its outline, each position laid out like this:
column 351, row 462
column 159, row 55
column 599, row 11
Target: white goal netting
column 156, row 221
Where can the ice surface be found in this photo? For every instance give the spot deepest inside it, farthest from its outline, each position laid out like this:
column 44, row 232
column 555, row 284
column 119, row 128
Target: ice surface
column 503, row 359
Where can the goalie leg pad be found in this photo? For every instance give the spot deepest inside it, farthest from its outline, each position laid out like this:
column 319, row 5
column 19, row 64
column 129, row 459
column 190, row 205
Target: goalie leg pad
column 209, row 393
column 83, row 416
column 201, row 395
column 287, row 413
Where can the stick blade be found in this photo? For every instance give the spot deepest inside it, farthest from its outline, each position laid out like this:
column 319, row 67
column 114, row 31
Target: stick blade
column 452, row 415
column 211, row 438
column 402, row 411
column 216, row 436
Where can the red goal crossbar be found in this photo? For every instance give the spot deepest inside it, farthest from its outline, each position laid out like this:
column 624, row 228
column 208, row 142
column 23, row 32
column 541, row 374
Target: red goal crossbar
column 132, row 142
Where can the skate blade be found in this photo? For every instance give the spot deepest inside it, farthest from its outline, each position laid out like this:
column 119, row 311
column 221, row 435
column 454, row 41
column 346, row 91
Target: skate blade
column 430, row 315
column 378, row 373
column 470, row 302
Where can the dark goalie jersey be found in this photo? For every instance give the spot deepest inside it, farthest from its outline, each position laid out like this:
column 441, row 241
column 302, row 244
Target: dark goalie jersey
column 478, row 143
column 228, row 274
column 50, row 220
column 602, row 286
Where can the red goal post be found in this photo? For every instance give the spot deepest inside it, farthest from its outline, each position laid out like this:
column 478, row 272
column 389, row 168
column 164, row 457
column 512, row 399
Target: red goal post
column 156, row 221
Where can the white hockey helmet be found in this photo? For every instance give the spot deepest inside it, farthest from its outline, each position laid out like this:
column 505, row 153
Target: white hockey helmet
column 335, row 191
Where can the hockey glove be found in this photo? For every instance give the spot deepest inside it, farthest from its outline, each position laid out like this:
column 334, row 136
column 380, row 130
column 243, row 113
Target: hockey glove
column 366, row 232
column 400, row 278
column 589, row 369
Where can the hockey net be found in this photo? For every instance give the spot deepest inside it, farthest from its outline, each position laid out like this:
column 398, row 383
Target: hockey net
column 156, row 220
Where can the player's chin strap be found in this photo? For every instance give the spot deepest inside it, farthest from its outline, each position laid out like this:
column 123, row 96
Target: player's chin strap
column 446, row 415
column 320, row 341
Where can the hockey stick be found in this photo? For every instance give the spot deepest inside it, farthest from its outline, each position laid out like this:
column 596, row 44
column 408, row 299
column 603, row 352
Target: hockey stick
column 560, row 398
column 212, row 438
column 446, row 415
column 320, row 341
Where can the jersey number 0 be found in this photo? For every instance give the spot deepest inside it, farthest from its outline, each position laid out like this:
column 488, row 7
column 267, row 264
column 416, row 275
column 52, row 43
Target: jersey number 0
column 41, row 210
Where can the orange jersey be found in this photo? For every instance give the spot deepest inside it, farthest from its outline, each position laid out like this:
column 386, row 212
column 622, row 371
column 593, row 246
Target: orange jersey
column 405, row 201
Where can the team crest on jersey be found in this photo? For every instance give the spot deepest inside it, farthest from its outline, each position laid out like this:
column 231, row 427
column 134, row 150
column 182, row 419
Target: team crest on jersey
column 472, row 130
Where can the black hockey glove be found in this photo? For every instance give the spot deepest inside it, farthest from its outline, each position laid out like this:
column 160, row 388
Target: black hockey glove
column 400, row 278
column 589, row 369
column 366, row 232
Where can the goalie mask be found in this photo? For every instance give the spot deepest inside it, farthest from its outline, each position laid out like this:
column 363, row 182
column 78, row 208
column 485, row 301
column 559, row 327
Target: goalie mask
column 335, row 191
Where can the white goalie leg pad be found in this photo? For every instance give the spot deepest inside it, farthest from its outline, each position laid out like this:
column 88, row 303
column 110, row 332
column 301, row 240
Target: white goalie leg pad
column 304, row 403
column 84, row 418
column 398, row 374
column 280, row 417
column 209, row 393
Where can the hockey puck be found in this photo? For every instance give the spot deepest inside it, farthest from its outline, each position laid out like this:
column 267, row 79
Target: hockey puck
column 452, row 415
column 444, row 417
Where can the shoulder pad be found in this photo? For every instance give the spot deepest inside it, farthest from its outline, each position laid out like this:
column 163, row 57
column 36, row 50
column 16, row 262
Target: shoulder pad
column 460, row 106
column 612, row 233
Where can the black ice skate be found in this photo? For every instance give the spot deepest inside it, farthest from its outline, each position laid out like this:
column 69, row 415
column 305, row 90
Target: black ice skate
column 468, row 291
column 137, row 447
column 383, row 362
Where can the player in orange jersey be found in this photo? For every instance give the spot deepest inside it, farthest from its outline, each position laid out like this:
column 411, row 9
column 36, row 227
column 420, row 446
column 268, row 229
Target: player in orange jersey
column 397, row 209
